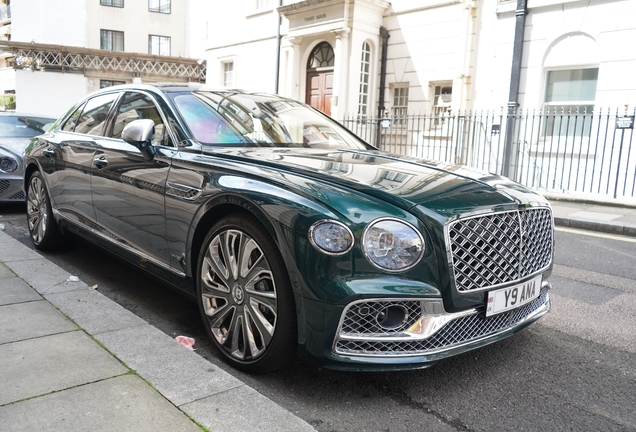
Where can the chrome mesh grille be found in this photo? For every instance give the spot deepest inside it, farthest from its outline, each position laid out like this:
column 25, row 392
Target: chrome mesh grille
column 499, row 248
column 360, row 318
column 458, row 331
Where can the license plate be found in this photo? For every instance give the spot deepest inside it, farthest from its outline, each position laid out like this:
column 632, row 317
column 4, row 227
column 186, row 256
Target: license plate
column 505, row 299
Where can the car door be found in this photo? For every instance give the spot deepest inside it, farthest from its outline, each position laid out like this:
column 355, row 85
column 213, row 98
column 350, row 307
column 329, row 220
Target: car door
column 128, row 190
column 68, row 156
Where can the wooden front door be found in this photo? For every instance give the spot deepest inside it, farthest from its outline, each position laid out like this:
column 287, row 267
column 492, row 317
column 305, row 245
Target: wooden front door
column 320, row 78
column 319, row 90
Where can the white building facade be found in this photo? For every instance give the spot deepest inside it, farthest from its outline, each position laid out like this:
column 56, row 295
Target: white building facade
column 56, row 53
column 442, row 54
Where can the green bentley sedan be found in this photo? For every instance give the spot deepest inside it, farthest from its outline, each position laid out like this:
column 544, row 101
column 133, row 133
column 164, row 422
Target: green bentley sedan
column 296, row 238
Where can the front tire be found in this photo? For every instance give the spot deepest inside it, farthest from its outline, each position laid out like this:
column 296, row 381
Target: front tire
column 245, row 297
column 40, row 221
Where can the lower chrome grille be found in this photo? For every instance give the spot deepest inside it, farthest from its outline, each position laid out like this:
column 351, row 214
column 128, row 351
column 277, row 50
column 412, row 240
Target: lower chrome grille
column 456, row 332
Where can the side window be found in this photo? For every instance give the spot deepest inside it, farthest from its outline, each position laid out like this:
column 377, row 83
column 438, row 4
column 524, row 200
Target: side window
column 95, row 114
column 69, row 125
column 137, row 106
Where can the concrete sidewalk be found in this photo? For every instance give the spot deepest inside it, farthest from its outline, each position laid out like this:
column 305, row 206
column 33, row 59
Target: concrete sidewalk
column 73, row 360
column 595, row 216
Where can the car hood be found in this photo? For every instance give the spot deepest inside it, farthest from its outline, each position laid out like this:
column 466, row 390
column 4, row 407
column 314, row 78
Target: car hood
column 446, row 189
column 15, row 145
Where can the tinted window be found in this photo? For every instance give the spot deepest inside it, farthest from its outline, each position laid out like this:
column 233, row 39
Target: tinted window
column 94, row 115
column 22, row 126
column 70, row 123
column 137, row 106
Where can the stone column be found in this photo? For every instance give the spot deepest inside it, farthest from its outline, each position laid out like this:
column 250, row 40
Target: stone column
column 340, row 73
column 291, row 47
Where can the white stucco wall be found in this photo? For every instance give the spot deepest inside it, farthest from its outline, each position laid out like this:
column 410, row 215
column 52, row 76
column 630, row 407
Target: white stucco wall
column 137, row 23
column 49, row 22
column 602, row 32
column 48, row 93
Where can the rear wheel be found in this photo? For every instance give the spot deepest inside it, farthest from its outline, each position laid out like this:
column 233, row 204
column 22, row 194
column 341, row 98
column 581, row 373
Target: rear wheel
column 42, row 226
column 245, row 297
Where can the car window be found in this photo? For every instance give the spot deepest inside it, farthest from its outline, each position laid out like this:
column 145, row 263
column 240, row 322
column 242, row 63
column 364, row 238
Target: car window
column 95, row 114
column 267, row 120
column 135, row 106
column 23, row 126
column 206, row 126
column 69, row 125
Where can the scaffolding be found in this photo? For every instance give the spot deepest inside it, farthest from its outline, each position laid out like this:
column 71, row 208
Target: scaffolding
column 66, row 59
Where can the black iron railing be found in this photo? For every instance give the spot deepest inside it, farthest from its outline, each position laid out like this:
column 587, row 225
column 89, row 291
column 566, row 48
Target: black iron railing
column 564, row 149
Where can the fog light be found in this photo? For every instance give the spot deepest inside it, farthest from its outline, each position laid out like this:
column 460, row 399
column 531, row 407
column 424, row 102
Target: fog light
column 391, row 317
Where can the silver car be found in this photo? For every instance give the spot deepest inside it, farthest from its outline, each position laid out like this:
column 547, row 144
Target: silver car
column 16, row 130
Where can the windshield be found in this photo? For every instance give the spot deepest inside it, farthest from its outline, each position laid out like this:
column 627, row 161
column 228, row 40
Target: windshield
column 23, row 127
column 237, row 119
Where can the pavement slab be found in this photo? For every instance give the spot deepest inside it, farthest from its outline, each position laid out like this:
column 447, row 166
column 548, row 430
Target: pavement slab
column 31, row 320
column 5, row 272
column 42, row 365
column 179, row 374
column 96, row 312
column 44, row 276
column 123, row 403
column 226, row 412
column 15, row 290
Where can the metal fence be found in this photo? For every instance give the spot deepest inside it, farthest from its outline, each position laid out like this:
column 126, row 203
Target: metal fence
column 558, row 149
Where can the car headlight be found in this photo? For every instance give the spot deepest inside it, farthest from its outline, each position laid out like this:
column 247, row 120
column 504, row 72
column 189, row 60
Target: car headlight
column 8, row 164
column 331, row 237
column 392, row 245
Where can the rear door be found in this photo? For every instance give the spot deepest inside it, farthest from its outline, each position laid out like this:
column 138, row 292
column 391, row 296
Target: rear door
column 68, row 156
column 129, row 191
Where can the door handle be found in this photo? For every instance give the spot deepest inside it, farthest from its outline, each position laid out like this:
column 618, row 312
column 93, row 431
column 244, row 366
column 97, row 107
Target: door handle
column 101, row 162
column 48, row 152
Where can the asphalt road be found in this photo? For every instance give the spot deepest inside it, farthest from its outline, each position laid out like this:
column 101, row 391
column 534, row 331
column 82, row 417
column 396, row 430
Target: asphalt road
column 573, row 370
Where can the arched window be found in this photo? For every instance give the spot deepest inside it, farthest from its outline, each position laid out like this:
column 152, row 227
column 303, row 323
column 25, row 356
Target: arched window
column 321, row 56
column 365, row 64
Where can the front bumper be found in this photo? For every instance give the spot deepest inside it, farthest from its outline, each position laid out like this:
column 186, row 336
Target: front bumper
column 11, row 188
column 447, row 334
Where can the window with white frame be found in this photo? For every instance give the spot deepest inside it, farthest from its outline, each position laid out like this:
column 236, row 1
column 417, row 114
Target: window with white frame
column 112, row 3
column 569, row 101
column 159, row 45
column 400, row 99
column 111, row 40
column 228, row 74
column 263, row 4
column 365, row 65
column 441, row 97
column 160, row 6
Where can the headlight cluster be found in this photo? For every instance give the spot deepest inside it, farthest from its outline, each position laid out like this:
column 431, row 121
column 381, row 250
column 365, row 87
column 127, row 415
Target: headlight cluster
column 389, row 244
column 8, row 164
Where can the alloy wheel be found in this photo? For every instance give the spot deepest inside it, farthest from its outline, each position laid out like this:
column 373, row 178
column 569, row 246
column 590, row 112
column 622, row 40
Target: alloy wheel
column 37, row 209
column 238, row 295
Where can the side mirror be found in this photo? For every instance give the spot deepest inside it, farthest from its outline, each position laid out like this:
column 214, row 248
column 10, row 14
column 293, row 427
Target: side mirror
column 140, row 134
